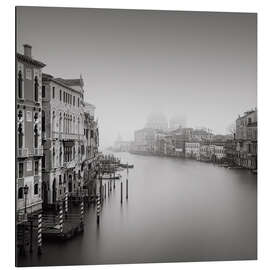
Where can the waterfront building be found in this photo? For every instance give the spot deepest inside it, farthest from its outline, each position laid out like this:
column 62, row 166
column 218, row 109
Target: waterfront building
column 192, row 149
column 230, row 151
column 144, row 140
column 62, row 132
column 246, row 140
column 90, row 150
column 201, row 134
column 28, row 133
column 219, row 152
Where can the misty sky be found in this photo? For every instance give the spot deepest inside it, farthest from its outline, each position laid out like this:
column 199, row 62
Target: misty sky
column 199, row 65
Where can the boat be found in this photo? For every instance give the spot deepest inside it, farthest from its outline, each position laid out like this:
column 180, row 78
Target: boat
column 126, row 166
column 108, row 177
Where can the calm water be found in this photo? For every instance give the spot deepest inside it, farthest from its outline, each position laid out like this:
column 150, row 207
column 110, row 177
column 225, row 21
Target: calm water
column 178, row 210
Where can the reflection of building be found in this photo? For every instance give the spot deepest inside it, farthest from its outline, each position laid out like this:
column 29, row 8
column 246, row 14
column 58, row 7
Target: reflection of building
column 246, row 138
column 62, row 131
column 28, row 139
column 157, row 121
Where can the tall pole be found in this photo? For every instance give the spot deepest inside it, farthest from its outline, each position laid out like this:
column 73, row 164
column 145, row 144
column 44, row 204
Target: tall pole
column 121, row 192
column 39, row 233
column 98, row 209
column 31, row 234
column 126, row 188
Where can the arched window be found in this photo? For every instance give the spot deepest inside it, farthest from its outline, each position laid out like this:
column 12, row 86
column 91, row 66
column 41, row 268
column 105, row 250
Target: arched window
column 36, row 189
column 20, row 193
column 60, row 157
column 78, row 125
column 60, row 122
column 53, row 157
column 53, row 121
column 20, row 130
column 60, row 180
column 35, row 136
column 43, row 121
column 20, row 90
column 36, row 89
column 20, row 136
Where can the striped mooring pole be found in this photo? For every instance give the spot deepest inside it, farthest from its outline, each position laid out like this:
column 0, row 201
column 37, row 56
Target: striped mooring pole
column 39, row 233
column 82, row 211
column 66, row 203
column 98, row 208
column 61, row 217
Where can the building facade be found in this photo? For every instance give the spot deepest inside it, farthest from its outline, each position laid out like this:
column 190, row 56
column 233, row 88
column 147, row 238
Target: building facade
column 246, row 140
column 28, row 133
column 63, row 135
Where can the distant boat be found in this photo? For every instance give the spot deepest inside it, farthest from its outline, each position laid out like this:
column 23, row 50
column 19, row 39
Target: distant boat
column 108, row 177
column 126, row 166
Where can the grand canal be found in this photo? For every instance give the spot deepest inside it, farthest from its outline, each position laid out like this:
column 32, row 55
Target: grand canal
column 177, row 210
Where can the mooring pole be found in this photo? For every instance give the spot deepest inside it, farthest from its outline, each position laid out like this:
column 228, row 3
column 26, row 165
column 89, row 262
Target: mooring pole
column 61, row 218
column 98, row 208
column 39, row 233
column 127, row 189
column 121, row 192
column 82, row 212
column 31, row 234
column 66, row 203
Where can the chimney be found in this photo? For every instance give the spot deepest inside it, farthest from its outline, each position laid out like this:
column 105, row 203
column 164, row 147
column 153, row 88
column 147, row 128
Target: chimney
column 27, row 50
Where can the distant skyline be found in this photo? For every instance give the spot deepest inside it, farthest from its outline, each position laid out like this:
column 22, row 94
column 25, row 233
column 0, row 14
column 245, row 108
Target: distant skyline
column 199, row 65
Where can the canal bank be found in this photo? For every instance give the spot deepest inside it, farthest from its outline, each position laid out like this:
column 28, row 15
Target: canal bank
column 177, row 210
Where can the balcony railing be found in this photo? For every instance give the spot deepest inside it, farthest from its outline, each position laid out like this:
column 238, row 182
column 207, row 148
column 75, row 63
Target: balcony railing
column 21, row 217
column 69, row 164
column 38, row 151
column 68, row 136
column 22, row 152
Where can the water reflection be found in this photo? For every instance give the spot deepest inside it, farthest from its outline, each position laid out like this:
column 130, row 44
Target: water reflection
column 177, row 210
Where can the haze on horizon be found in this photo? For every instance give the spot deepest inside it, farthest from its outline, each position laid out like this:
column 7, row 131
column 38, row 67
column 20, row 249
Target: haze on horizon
column 200, row 65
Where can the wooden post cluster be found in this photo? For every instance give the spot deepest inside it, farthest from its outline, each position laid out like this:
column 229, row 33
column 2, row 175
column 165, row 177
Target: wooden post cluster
column 39, row 238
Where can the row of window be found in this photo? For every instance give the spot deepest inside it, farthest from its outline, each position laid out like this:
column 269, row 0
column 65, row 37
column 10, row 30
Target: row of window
column 20, row 87
column 21, row 170
column 21, row 191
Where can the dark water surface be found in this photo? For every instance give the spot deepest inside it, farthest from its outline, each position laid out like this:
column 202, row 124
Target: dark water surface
column 177, row 210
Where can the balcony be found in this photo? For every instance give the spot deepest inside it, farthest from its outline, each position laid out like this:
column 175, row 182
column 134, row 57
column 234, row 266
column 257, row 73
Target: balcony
column 69, row 164
column 68, row 136
column 37, row 152
column 22, row 153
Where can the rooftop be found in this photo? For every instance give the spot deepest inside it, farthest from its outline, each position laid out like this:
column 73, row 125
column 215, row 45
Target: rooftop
column 30, row 60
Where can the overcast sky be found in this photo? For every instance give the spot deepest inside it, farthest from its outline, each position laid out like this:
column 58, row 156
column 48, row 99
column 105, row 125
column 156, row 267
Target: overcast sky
column 200, row 65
